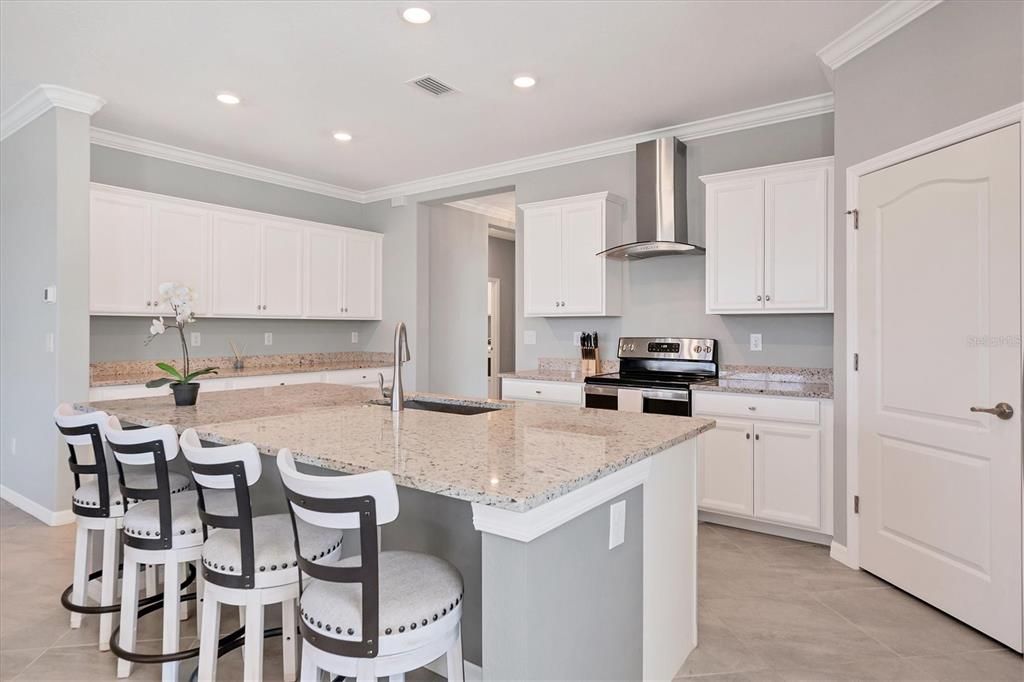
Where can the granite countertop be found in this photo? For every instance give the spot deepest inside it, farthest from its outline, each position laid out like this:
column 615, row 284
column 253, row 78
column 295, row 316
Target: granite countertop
column 795, row 382
column 515, row 458
column 141, row 371
column 571, row 376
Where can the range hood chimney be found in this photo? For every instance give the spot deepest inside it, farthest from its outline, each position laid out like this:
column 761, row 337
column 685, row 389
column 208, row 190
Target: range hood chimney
column 660, row 203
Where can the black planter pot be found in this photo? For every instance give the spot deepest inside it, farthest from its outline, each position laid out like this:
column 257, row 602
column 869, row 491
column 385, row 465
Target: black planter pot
column 185, row 394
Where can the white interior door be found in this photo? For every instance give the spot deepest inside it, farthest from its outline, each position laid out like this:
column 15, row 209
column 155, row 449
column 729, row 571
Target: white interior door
column 542, row 261
column 281, row 286
column 735, row 245
column 725, row 463
column 360, row 276
column 796, row 240
column 236, row 266
column 582, row 268
column 323, row 273
column 181, row 252
column 939, row 323
column 119, row 255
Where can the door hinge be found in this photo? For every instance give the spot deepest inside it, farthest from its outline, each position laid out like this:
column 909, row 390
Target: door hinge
column 856, row 362
column 856, row 218
column 856, row 504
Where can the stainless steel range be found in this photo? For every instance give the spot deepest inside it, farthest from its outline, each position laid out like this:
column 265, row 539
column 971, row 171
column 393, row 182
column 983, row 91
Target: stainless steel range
column 655, row 374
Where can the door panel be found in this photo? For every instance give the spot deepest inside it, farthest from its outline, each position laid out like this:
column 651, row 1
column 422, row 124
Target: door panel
column 725, row 461
column 582, row 268
column 361, row 276
column 796, row 241
column 236, row 266
column 542, row 258
column 181, row 252
column 735, row 249
column 119, row 255
column 787, row 475
column 323, row 273
column 939, row 313
column 281, row 286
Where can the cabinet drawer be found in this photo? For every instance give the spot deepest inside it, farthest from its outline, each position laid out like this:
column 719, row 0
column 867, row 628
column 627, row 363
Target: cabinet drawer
column 359, row 377
column 545, row 391
column 756, row 407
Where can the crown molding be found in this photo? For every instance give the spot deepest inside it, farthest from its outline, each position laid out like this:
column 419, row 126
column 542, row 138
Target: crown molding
column 159, row 150
column 890, row 18
column 742, row 120
column 474, row 206
column 41, row 99
column 716, row 125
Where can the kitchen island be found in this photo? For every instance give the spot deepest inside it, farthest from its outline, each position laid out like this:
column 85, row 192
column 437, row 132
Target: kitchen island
column 526, row 500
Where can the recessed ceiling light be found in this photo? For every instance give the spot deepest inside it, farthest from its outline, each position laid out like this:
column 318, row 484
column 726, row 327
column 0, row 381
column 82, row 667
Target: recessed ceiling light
column 524, row 81
column 416, row 15
column 342, row 136
column 228, row 98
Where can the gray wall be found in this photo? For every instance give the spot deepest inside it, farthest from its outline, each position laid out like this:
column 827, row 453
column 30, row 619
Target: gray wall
column 956, row 63
column 458, row 292
column 44, row 240
column 501, row 264
column 120, row 338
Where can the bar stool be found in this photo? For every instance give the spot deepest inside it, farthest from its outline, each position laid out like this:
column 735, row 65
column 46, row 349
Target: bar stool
column 98, row 506
column 248, row 561
column 379, row 613
column 162, row 530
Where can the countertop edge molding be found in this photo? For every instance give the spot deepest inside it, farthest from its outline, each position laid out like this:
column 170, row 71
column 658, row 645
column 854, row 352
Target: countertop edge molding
column 530, row 525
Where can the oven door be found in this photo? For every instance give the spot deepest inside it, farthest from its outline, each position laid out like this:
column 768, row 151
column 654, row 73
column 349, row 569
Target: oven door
column 655, row 401
column 601, row 397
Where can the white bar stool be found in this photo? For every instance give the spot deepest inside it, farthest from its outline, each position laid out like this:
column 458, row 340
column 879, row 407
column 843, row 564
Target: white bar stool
column 247, row 561
column 380, row 613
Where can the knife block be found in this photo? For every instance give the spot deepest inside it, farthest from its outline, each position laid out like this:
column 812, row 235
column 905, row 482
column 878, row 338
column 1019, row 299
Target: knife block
column 590, row 361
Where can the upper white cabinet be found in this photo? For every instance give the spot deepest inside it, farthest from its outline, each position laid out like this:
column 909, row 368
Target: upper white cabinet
column 240, row 263
column 769, row 239
column 563, row 275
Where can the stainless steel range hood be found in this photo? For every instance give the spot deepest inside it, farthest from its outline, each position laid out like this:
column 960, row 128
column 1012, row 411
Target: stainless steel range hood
column 660, row 203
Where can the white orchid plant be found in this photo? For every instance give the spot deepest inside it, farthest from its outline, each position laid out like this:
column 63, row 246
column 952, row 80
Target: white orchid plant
column 180, row 298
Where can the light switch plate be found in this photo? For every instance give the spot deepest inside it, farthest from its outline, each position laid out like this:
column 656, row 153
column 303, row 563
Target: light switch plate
column 195, row 339
column 755, row 342
column 268, row 339
column 50, row 294
column 617, row 524
column 50, row 343
column 529, row 337
column 355, row 337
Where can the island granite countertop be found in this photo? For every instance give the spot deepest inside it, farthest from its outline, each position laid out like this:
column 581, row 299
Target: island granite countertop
column 516, row 458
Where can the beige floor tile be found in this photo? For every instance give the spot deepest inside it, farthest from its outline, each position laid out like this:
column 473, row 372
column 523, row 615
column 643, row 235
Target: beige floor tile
column 905, row 624
column 749, row 676
column 718, row 651
column 13, row 662
column 902, row 669
column 995, row 666
column 83, row 664
column 751, row 541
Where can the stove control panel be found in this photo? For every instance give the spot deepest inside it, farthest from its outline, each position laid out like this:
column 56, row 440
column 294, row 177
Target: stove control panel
column 667, row 348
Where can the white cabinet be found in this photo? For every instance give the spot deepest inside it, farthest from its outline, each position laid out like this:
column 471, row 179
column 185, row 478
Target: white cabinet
column 768, row 459
column 562, row 274
column 560, row 392
column 239, row 263
column 769, row 239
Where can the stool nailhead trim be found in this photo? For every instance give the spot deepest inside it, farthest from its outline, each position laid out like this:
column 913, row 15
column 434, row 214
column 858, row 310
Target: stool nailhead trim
column 387, row 631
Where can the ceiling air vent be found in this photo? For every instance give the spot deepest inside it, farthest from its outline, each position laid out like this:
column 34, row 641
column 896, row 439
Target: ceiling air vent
column 432, row 85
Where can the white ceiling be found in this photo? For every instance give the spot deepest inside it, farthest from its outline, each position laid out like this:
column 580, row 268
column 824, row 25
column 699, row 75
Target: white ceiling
column 306, row 69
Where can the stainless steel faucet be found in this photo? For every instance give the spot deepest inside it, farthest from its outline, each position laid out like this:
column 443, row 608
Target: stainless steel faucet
column 402, row 356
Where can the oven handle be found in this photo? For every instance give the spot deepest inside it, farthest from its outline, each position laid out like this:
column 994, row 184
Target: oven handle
column 654, row 394
column 601, row 390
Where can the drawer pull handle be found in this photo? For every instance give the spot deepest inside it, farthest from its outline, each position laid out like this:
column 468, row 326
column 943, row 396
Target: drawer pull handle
column 537, row 392
column 752, row 408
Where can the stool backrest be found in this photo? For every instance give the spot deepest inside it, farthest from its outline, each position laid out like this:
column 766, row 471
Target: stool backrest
column 230, row 467
column 85, row 429
column 359, row 501
column 153, row 446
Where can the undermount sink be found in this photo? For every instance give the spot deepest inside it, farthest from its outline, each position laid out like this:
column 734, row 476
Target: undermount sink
column 447, row 407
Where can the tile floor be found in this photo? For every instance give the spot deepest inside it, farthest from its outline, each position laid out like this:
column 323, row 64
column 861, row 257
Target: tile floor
column 770, row 609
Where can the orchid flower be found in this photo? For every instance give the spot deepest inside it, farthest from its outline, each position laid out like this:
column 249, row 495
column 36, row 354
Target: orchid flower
column 180, row 298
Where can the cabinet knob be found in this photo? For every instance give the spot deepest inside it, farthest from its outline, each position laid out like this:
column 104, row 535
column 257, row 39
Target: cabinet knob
column 759, row 298
column 748, row 436
column 767, row 297
column 148, row 303
column 757, row 436
column 752, row 408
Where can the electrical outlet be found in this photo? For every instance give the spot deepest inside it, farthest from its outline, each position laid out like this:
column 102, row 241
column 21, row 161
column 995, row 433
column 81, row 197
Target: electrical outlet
column 576, row 338
column 268, row 339
column 14, row 445
column 355, row 337
column 195, row 340
column 617, row 524
column 755, row 342
column 529, row 337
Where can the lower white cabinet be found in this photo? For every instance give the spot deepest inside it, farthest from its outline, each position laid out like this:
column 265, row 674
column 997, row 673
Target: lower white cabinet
column 768, row 459
column 561, row 392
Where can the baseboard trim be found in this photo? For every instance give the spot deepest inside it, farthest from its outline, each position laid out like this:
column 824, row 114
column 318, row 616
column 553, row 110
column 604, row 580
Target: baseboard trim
column 47, row 516
column 839, row 553
column 474, row 673
column 764, row 527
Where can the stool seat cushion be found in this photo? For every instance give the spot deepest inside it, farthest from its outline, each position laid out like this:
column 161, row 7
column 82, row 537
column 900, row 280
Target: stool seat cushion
column 88, row 494
column 273, row 545
column 143, row 520
column 416, row 591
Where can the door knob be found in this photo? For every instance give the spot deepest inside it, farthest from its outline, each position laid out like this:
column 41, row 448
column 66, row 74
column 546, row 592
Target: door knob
column 1001, row 410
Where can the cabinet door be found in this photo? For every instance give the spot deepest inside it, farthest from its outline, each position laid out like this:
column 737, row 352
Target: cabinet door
column 281, row 284
column 582, row 269
column 361, row 276
column 796, row 241
column 787, row 474
column 119, row 254
column 323, row 273
column 181, row 252
column 236, row 266
column 735, row 245
column 542, row 261
column 725, row 464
